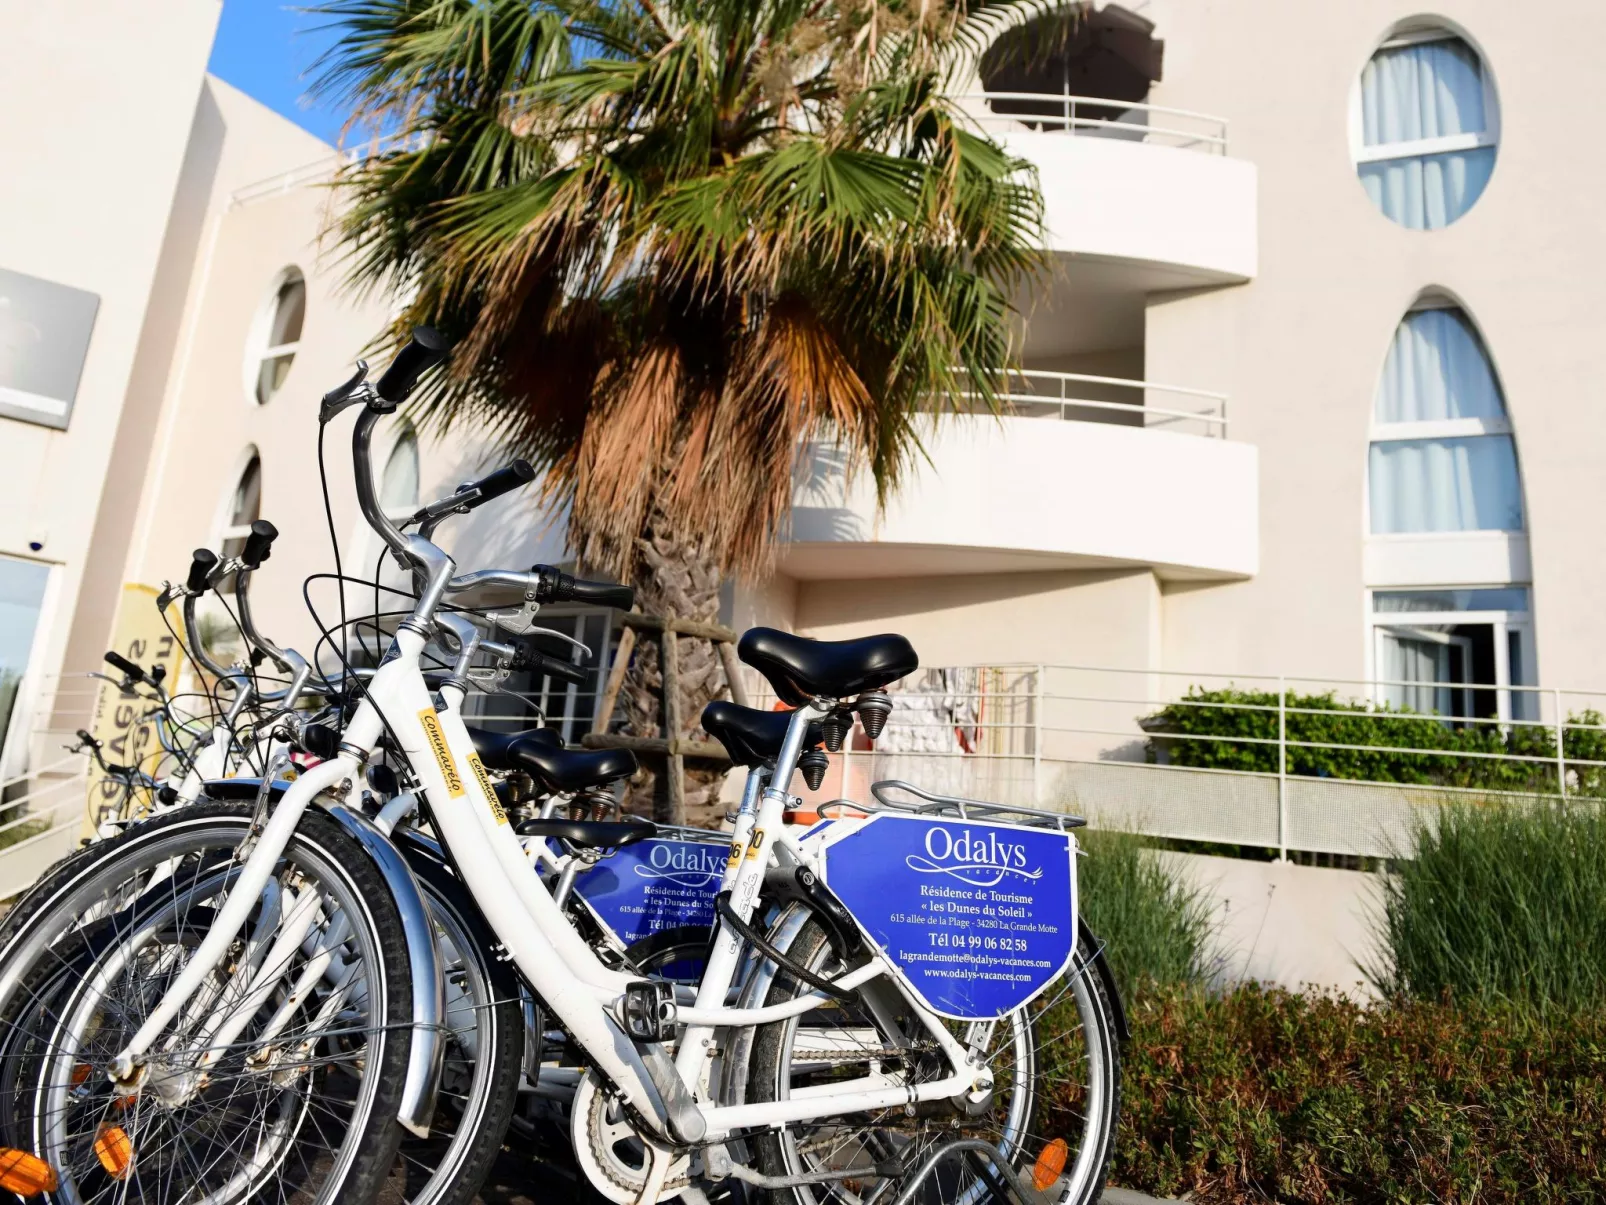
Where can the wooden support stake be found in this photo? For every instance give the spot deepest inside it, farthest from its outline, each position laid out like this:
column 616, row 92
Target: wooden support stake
column 733, row 672
column 657, row 746
column 669, row 656
column 616, row 680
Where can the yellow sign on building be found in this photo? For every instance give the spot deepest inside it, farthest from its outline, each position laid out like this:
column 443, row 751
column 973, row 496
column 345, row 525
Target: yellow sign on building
column 122, row 722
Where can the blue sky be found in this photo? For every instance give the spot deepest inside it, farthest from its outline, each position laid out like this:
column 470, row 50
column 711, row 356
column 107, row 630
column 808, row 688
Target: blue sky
column 266, row 49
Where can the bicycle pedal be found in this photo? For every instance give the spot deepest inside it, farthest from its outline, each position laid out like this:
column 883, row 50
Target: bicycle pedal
column 649, row 1010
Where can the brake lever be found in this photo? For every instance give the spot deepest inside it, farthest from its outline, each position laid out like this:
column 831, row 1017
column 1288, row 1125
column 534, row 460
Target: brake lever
column 490, row 677
column 520, row 622
column 354, row 391
column 584, row 648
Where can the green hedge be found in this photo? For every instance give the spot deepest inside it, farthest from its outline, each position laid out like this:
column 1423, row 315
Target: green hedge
column 1377, row 731
column 1262, row 1095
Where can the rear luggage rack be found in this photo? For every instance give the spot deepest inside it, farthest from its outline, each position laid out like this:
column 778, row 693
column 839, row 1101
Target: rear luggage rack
column 956, row 805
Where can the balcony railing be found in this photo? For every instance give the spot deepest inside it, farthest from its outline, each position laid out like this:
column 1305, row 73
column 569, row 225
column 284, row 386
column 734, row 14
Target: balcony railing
column 1099, row 117
column 1085, row 739
column 1079, row 397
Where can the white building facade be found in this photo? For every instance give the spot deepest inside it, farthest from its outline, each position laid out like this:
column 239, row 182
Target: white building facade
column 1309, row 391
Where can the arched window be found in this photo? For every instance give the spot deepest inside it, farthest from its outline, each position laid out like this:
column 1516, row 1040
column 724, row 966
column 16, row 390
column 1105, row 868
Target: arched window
column 1424, row 127
column 245, row 508
column 398, row 485
column 1442, row 456
column 1443, row 463
column 277, row 334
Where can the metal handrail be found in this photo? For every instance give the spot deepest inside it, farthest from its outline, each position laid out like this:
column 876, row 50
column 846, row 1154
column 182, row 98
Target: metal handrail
column 1212, row 139
column 1213, row 416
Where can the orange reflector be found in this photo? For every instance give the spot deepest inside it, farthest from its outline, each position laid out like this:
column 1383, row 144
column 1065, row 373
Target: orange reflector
column 24, row 1174
column 115, row 1150
column 80, row 1073
column 1050, row 1165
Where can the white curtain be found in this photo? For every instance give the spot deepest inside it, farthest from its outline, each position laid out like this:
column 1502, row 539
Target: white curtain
column 1465, row 484
column 1420, row 663
column 1409, row 93
column 1437, row 369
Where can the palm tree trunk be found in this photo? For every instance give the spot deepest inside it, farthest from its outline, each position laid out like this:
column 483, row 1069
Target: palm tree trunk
column 674, row 577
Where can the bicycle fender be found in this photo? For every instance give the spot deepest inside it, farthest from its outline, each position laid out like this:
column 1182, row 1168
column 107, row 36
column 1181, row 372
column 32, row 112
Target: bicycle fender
column 429, row 1001
column 1101, row 964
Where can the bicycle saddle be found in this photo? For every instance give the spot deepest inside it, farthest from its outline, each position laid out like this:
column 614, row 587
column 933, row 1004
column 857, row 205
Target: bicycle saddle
column 752, row 737
column 801, row 669
column 591, row 834
column 540, row 753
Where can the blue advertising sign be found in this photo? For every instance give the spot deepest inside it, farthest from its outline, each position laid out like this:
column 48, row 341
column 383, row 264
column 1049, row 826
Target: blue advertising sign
column 977, row 918
column 654, row 885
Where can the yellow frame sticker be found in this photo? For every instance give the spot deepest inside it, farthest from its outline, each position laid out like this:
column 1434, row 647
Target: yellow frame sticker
column 443, row 754
column 488, row 787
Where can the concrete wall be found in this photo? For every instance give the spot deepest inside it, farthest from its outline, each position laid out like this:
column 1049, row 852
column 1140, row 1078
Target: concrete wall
column 1287, row 924
column 93, row 148
column 1300, row 349
column 1017, row 493
column 268, row 210
column 1106, row 617
column 1111, row 199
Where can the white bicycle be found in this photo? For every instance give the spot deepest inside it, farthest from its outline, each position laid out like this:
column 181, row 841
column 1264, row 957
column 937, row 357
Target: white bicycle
column 869, row 1025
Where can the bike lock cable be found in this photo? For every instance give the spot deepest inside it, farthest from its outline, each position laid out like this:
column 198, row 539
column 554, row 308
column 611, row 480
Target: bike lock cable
column 722, row 904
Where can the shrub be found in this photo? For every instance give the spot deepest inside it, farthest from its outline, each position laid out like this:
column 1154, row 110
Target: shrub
column 1263, row 1095
column 1155, row 927
column 1243, row 719
column 1500, row 903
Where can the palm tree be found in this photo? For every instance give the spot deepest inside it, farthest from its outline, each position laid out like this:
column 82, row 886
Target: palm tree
column 676, row 240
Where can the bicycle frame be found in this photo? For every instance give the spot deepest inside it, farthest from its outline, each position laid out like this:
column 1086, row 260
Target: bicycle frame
column 584, row 994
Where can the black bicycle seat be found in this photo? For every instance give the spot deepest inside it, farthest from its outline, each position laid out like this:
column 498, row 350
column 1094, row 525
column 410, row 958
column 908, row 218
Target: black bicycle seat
column 540, row 753
column 801, row 669
column 753, row 737
column 591, row 834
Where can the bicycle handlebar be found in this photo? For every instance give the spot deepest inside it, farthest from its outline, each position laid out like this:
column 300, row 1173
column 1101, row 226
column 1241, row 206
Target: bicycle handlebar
column 202, row 562
column 539, row 663
column 259, row 544
column 557, row 586
column 129, row 669
column 427, row 348
column 473, row 494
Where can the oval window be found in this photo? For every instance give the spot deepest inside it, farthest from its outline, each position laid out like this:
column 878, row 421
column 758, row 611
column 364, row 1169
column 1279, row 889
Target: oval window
column 1425, row 127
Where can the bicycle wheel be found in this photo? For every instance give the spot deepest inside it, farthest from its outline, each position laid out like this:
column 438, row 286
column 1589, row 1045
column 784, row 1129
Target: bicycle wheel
column 484, row 1048
column 299, row 1105
column 1052, row 1110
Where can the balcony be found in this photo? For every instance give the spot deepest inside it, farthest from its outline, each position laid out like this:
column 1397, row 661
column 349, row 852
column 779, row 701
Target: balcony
column 1080, row 473
column 1143, row 188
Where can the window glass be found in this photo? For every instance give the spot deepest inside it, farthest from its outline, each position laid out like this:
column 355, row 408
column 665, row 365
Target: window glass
column 1427, row 90
column 277, row 344
column 1436, row 370
column 1464, row 484
column 22, row 592
column 398, row 487
column 244, row 510
column 1502, row 598
column 1429, row 99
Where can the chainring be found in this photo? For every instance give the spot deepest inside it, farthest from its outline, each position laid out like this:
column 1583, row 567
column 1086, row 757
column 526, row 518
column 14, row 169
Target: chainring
column 611, row 1152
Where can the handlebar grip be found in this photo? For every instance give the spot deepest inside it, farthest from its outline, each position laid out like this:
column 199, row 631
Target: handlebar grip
column 556, row 586
column 539, row 663
column 126, row 666
column 503, row 481
column 259, row 544
column 202, row 562
column 427, row 348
